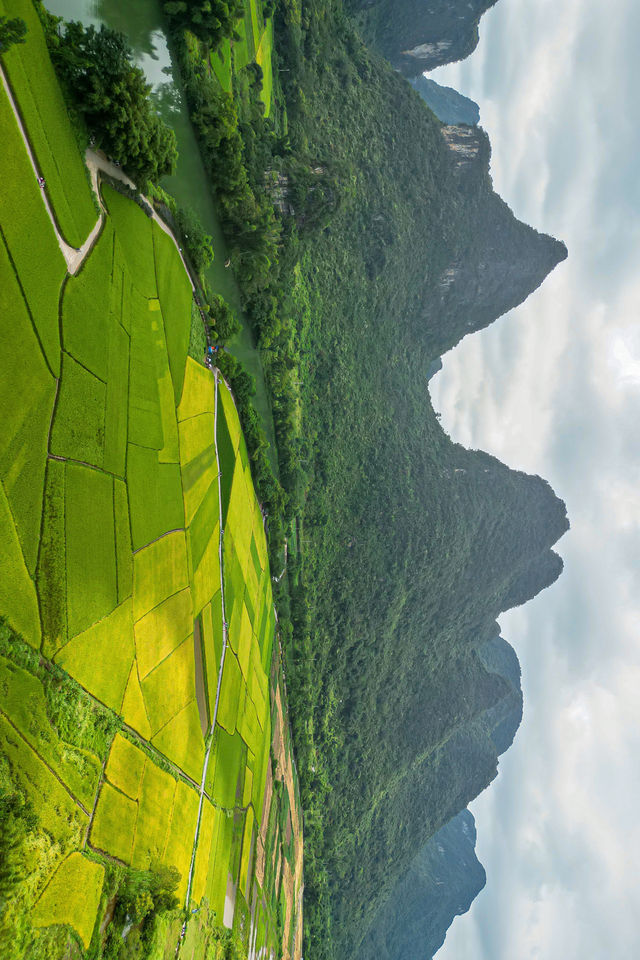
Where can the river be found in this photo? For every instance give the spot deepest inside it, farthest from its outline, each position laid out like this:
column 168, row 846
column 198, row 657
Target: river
column 141, row 22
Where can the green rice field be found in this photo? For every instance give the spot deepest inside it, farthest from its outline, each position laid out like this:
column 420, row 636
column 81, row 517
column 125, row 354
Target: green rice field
column 255, row 45
column 128, row 516
column 35, row 88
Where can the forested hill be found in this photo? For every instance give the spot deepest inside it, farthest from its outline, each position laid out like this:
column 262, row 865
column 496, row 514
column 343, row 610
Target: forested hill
column 441, row 883
column 418, row 35
column 411, row 546
column 495, row 261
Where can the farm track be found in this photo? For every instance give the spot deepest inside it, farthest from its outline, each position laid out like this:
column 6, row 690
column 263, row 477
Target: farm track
column 75, row 257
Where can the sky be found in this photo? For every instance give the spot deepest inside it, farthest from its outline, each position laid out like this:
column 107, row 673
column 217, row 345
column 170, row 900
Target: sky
column 554, row 388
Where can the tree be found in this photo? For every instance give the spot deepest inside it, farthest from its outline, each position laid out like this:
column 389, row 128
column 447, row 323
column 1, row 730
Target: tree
column 11, row 31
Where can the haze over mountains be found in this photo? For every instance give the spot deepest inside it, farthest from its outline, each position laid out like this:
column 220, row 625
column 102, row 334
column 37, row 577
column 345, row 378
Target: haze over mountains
column 447, row 104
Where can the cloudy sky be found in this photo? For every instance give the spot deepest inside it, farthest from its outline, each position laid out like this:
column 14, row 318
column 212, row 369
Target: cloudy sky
column 554, row 388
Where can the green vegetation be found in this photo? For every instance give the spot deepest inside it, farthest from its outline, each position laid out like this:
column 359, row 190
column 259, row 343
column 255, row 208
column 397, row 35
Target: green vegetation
column 406, row 547
column 11, row 31
column 35, row 256
column 107, row 641
column 210, row 20
column 42, row 108
column 72, row 896
column 97, row 73
column 220, row 60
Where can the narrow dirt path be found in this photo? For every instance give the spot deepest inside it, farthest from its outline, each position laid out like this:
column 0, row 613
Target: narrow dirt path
column 73, row 257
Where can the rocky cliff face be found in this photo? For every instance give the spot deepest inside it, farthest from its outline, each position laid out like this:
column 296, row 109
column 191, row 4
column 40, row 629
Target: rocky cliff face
column 418, row 35
column 448, row 105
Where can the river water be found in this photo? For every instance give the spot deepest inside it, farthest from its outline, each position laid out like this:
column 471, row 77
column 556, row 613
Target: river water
column 141, row 22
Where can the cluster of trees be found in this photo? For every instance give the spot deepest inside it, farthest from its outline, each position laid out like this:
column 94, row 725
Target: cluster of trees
column 12, row 30
column 111, row 95
column 209, row 20
column 247, row 215
column 270, row 492
column 142, row 897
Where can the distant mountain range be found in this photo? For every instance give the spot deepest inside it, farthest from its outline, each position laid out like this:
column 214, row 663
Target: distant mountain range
column 446, row 876
column 447, row 104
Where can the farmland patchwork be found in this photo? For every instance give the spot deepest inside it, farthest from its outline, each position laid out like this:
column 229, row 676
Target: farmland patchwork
column 134, row 571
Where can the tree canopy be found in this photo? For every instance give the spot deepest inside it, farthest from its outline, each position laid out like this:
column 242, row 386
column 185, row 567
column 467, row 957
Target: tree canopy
column 209, row 20
column 113, row 97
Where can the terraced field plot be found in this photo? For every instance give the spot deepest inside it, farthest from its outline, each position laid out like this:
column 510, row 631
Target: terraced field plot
column 255, row 45
column 135, row 587
column 43, row 111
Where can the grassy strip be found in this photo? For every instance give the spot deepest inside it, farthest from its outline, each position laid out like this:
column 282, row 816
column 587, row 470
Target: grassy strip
column 26, row 399
column 135, row 240
column 155, row 496
column 79, row 422
column 31, row 242
column 85, row 330
column 181, row 740
column 159, row 571
column 108, row 643
column 220, row 60
column 72, row 897
column 263, row 58
column 92, row 590
column 52, row 564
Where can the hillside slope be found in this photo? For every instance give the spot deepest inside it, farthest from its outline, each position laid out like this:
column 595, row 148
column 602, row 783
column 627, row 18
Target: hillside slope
column 441, row 883
column 411, row 546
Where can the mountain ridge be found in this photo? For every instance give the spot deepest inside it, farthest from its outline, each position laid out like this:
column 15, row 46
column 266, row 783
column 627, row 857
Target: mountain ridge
column 413, row 546
column 419, row 35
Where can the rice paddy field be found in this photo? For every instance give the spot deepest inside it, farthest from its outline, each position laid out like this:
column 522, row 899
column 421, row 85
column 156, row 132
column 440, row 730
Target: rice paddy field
column 255, row 45
column 141, row 705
